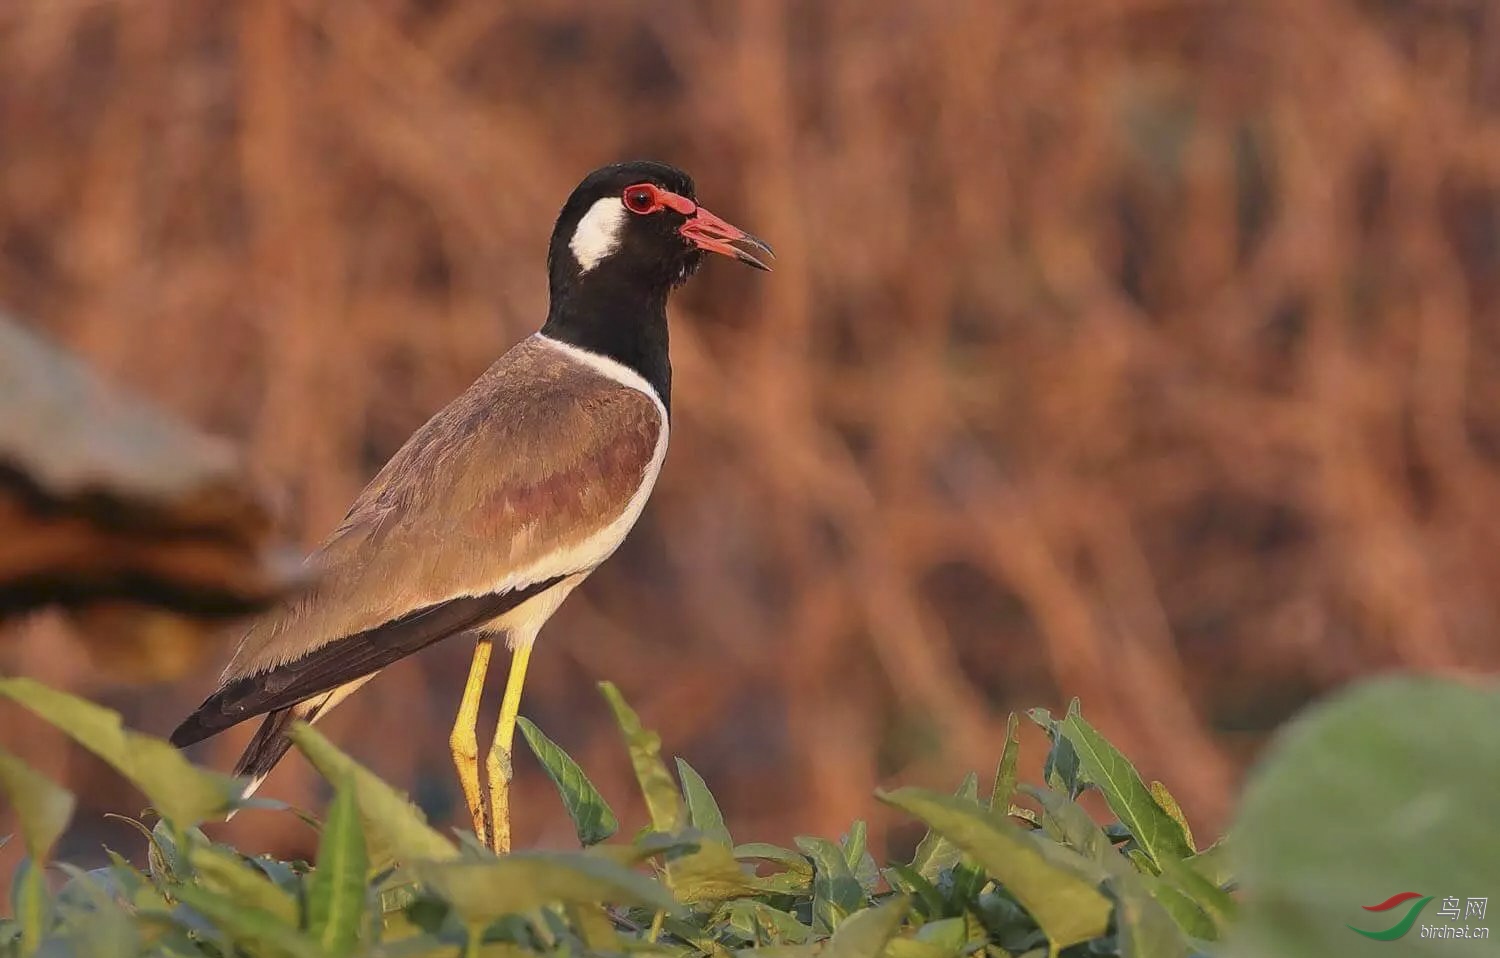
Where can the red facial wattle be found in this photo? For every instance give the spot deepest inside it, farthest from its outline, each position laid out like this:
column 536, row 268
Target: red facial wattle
column 703, row 229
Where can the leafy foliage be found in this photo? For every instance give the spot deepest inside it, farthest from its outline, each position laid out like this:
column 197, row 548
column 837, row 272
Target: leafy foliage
column 990, row 877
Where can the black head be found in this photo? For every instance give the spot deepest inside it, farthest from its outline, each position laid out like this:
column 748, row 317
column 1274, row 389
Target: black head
column 630, row 233
column 640, row 222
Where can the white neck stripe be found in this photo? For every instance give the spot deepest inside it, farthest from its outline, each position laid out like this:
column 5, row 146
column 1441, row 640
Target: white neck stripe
column 610, row 368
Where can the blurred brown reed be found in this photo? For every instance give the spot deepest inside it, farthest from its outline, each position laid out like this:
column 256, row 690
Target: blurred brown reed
column 1140, row 351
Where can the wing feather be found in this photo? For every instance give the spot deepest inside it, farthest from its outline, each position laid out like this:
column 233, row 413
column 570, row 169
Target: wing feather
column 532, row 475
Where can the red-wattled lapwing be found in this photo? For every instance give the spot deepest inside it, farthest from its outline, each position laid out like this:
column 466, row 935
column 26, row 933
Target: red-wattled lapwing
column 504, row 501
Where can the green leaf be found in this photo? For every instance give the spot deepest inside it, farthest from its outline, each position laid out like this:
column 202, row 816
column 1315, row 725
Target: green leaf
column 912, row 948
column 809, row 950
column 703, row 811
column 482, row 891
column 395, row 829
column 176, row 788
column 1215, row 902
column 949, row 934
column 759, row 923
column 1146, row 930
column 646, row 846
column 794, row 879
column 661, row 796
column 31, row 905
column 1066, row 822
column 1067, row 906
column 710, row 873
column 1061, row 770
column 1169, row 805
column 865, row 934
column 935, row 854
column 944, row 938
column 1386, row 787
column 1215, row 863
column 1188, row 914
column 593, row 819
column 1006, row 773
column 42, row 807
column 909, row 881
column 794, row 861
column 238, row 881
column 258, row 932
column 1156, row 832
column 336, row 888
column 592, row 925
column 162, row 855
column 92, row 920
column 836, row 892
column 861, row 864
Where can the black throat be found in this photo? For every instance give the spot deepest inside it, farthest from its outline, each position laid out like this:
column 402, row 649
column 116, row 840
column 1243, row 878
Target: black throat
column 614, row 314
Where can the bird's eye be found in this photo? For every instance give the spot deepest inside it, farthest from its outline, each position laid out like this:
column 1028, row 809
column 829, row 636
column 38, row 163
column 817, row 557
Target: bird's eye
column 641, row 198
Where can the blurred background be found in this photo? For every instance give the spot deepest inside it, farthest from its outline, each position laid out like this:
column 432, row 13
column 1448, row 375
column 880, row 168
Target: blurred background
column 1143, row 351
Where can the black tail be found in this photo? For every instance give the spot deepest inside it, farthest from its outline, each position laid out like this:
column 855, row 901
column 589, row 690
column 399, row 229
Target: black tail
column 267, row 747
column 345, row 660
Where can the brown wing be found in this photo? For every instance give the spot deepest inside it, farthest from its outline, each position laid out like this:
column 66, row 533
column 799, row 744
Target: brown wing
column 495, row 498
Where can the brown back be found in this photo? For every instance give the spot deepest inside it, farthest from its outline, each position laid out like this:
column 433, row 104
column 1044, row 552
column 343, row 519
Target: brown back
column 541, row 452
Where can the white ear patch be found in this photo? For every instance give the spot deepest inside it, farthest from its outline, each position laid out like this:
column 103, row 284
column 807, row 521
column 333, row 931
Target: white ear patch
column 598, row 233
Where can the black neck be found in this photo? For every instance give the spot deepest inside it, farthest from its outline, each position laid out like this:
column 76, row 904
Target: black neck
column 612, row 317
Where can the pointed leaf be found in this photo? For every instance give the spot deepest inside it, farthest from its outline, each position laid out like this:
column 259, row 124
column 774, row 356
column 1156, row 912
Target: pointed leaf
column 1215, row 863
column 645, row 755
column 240, row 882
column 593, row 819
column 935, row 854
column 1006, row 773
column 1169, row 805
column 646, row 846
column 1156, row 832
column 42, row 807
column 176, row 788
column 861, row 863
column 1067, row 823
column 260, row 932
column 482, row 891
column 864, row 935
column 710, row 873
column 909, row 881
column 809, row 950
column 836, row 892
column 1146, row 930
column 336, row 888
column 1067, row 907
column 163, row 857
column 794, row 861
column 31, row 905
column 795, row 879
column 703, row 811
column 395, row 829
column 760, row 923
column 592, row 925
column 1216, row 903
column 1188, row 915
column 92, row 919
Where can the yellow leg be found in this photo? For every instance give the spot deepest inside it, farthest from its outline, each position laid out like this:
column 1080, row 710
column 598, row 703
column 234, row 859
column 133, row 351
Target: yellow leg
column 497, row 766
column 464, row 741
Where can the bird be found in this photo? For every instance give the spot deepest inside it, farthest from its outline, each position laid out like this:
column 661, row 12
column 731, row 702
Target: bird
column 505, row 500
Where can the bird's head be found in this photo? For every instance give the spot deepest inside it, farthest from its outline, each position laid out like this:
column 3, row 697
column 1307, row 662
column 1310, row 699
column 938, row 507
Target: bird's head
column 640, row 223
